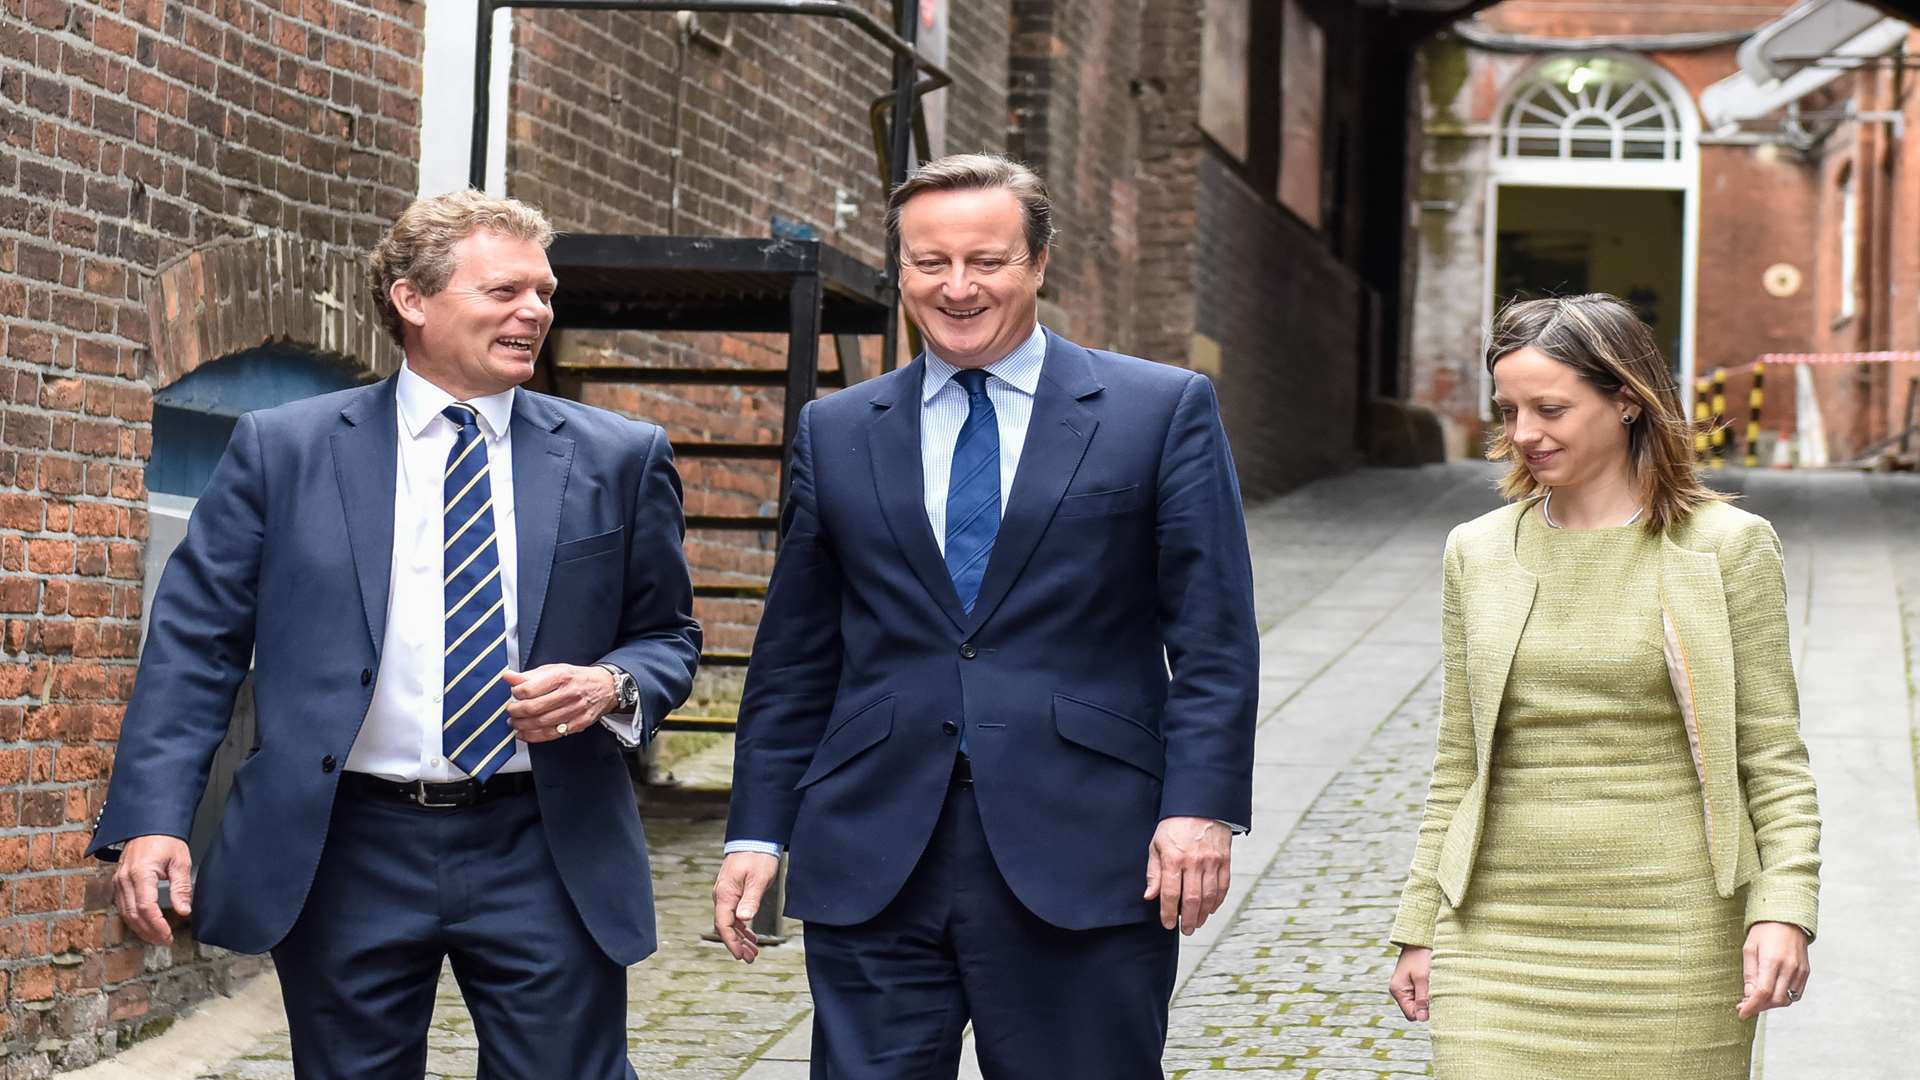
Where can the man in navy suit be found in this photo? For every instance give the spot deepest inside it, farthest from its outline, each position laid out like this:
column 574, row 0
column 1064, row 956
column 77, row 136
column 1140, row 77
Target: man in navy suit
column 1001, row 705
column 463, row 604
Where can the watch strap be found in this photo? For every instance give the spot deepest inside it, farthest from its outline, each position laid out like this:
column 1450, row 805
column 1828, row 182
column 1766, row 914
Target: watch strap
column 626, row 693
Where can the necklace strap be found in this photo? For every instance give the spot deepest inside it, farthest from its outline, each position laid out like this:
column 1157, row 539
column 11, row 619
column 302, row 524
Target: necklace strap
column 1546, row 513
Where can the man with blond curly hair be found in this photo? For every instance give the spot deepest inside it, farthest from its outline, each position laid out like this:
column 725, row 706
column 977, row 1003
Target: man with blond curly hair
column 462, row 603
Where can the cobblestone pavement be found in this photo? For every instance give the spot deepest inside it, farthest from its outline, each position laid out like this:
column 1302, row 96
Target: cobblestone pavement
column 1296, row 988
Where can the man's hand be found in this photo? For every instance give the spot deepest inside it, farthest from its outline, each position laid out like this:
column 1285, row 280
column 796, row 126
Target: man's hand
column 1774, row 964
column 556, row 700
column 744, row 877
column 136, row 884
column 1189, row 865
column 1409, row 983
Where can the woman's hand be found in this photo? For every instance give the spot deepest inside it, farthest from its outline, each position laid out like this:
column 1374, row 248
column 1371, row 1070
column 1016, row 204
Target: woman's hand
column 1409, row 983
column 1775, row 966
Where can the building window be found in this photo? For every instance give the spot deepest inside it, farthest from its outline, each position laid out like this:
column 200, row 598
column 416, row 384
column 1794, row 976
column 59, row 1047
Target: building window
column 1591, row 108
column 194, row 418
column 1303, row 82
column 1849, row 243
column 1263, row 98
column 1224, row 84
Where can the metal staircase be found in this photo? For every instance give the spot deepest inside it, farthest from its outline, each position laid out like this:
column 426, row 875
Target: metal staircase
column 732, row 285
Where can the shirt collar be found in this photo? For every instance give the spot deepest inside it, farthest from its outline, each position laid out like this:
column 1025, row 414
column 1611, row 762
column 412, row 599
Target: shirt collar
column 420, row 401
column 1019, row 369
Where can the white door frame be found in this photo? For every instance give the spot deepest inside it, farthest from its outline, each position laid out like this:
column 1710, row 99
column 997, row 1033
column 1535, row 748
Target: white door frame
column 1682, row 176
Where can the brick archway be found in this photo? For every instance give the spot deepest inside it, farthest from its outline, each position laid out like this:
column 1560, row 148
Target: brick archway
column 239, row 294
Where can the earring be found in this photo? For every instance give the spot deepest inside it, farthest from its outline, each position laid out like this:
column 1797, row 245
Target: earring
column 1626, row 418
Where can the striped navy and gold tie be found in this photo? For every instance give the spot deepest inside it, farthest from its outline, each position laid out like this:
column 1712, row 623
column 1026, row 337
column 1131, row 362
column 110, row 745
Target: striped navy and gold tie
column 474, row 697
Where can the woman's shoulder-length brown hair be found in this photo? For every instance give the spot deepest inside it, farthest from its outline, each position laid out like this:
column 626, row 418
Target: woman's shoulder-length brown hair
column 1603, row 340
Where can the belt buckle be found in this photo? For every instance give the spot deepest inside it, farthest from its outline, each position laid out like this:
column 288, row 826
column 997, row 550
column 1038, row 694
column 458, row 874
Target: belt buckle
column 420, row 798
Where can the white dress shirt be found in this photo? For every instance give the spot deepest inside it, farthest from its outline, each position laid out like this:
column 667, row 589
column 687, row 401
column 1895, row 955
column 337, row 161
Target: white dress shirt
column 401, row 738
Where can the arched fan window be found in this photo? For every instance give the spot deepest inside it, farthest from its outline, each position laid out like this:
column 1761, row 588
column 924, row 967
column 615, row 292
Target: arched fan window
column 1595, row 108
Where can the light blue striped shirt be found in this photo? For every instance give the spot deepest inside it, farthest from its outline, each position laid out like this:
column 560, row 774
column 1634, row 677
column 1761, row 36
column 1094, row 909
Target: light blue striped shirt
column 943, row 412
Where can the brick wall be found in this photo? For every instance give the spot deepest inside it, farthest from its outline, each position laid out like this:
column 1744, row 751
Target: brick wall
column 131, row 134
column 1286, row 316
column 1738, row 318
column 1586, row 18
column 1167, row 92
column 1074, row 119
column 1237, row 286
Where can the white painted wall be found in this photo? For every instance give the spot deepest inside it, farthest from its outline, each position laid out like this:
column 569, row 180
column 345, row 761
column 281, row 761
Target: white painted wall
column 446, row 98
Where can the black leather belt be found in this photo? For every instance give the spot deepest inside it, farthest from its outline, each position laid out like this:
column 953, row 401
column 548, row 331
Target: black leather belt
column 432, row 796
column 962, row 769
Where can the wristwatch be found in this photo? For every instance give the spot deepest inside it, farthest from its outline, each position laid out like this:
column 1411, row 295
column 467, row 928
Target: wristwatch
column 626, row 692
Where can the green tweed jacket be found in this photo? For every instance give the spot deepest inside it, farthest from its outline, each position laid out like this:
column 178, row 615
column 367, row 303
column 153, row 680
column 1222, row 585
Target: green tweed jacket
column 1723, row 597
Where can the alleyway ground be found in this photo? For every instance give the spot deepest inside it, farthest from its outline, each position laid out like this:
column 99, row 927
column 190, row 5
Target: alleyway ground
column 1291, row 986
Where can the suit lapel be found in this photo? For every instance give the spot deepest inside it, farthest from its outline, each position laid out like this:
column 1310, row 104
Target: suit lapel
column 1057, row 438
column 542, row 461
column 894, row 440
column 1497, row 615
column 1695, row 607
column 365, row 460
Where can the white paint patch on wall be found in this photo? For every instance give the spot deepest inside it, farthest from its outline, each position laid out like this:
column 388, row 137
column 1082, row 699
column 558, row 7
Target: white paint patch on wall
column 446, row 98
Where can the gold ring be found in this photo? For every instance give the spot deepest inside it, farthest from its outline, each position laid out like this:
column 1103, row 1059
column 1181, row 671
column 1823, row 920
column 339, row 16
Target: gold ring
column 562, row 729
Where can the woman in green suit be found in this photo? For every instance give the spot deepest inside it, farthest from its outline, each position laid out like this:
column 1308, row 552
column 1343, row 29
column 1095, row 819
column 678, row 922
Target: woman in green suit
column 1619, row 864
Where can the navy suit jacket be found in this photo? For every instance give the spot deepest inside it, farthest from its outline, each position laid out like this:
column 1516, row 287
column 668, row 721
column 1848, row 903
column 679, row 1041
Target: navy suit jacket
column 1122, row 555
column 286, row 563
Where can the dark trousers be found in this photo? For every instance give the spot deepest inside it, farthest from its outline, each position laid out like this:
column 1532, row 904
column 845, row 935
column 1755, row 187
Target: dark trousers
column 893, row 995
column 401, row 888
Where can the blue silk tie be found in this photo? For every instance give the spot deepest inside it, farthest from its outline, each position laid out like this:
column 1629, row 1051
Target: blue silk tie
column 474, row 729
column 973, row 496
column 973, row 491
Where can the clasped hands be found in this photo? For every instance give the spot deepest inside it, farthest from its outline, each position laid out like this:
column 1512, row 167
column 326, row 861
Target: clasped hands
column 1774, row 972
column 545, row 700
column 1189, row 866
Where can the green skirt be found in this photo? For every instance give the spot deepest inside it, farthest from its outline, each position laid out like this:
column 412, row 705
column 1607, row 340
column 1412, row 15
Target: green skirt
column 1591, row 945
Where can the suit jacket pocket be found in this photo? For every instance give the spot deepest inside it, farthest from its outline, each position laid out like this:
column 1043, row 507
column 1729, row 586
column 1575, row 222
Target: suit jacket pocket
column 1100, row 503
column 850, row 737
column 1102, row 730
column 587, row 546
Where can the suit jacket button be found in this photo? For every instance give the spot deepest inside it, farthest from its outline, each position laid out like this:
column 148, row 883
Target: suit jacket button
column 968, row 652
column 949, row 727
column 366, row 676
column 327, row 763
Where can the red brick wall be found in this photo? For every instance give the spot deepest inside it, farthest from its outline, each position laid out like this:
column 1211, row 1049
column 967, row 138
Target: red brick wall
column 1167, row 98
column 1847, row 392
column 1592, row 18
column 129, row 135
column 1737, row 318
column 1074, row 119
column 1286, row 316
column 1232, row 282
